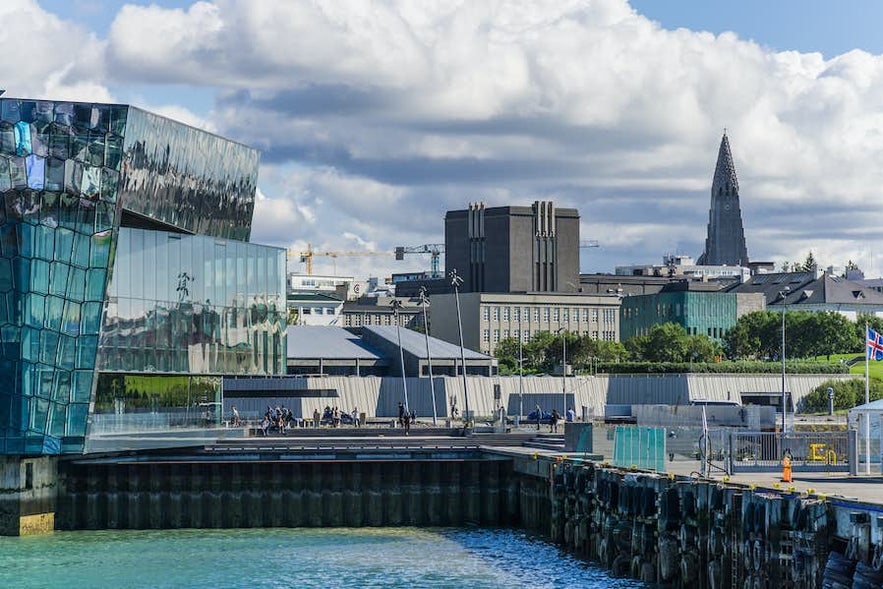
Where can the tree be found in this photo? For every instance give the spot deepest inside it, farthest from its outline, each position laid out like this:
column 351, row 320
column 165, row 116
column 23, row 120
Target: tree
column 810, row 264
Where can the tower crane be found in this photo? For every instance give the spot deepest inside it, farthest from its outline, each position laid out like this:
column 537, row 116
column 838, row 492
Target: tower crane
column 306, row 256
column 434, row 249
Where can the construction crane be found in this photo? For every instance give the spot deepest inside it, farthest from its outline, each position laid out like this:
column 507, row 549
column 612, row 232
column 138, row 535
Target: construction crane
column 434, row 249
column 306, row 257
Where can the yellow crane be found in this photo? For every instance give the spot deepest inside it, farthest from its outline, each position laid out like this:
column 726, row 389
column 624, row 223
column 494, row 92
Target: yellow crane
column 306, row 256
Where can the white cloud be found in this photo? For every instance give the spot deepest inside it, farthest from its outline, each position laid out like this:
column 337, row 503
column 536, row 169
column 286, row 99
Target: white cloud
column 377, row 117
column 46, row 57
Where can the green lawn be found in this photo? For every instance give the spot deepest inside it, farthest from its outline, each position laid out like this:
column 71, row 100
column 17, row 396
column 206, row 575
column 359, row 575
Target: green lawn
column 875, row 367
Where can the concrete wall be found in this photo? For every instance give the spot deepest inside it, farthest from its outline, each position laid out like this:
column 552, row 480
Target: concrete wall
column 379, row 397
column 27, row 495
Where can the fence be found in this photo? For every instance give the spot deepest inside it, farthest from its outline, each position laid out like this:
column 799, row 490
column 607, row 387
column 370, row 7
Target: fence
column 810, row 451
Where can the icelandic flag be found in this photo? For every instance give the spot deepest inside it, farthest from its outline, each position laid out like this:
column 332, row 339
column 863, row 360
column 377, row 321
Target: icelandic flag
column 875, row 345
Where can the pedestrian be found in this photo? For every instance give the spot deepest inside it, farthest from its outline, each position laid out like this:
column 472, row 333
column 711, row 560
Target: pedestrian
column 235, row 420
column 539, row 411
column 553, row 423
column 317, row 418
column 401, row 415
column 406, row 417
column 571, row 415
column 356, row 417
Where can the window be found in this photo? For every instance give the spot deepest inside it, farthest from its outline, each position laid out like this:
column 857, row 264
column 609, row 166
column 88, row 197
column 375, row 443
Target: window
column 536, row 314
column 517, row 313
column 546, row 313
column 586, row 315
column 496, row 335
column 516, row 334
column 506, row 313
column 486, row 335
column 566, row 313
column 496, row 313
column 595, row 316
column 594, row 335
column 526, row 336
column 505, row 334
column 486, row 313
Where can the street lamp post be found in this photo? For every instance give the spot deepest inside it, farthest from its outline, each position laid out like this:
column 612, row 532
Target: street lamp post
column 424, row 301
column 563, row 333
column 520, row 368
column 784, row 293
column 396, row 306
column 456, row 281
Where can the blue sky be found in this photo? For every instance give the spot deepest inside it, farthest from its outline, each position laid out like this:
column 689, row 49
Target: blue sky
column 374, row 118
column 829, row 27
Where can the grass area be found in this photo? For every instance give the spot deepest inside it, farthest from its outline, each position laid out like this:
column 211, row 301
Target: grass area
column 875, row 368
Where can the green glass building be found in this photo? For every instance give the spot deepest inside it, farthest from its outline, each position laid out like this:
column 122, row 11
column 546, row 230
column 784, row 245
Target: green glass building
column 127, row 283
column 699, row 307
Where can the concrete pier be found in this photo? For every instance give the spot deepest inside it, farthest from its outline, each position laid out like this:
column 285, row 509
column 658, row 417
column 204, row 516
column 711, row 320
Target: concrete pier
column 27, row 495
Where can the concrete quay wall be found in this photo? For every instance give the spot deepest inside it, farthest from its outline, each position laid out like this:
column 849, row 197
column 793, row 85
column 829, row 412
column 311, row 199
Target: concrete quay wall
column 311, row 493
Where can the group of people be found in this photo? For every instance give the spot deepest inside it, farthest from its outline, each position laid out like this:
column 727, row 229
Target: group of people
column 406, row 418
column 554, row 418
column 275, row 418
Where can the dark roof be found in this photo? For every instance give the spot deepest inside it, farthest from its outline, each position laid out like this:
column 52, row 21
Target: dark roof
column 805, row 288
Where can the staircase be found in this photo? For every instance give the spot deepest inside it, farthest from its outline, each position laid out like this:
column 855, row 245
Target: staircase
column 546, row 441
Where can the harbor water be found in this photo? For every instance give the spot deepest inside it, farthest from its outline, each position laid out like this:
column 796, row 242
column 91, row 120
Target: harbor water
column 258, row 558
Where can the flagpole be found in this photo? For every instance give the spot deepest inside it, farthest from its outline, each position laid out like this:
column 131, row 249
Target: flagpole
column 867, row 416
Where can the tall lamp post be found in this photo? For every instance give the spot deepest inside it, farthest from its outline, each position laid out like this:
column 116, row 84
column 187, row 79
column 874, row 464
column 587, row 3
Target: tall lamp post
column 456, row 281
column 424, row 301
column 520, row 367
column 563, row 333
column 396, row 306
column 784, row 293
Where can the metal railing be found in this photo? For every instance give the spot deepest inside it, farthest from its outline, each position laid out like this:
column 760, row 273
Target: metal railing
column 809, row 451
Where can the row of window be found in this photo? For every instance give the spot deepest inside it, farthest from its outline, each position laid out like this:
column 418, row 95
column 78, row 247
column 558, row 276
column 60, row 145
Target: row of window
column 317, row 310
column 548, row 313
column 499, row 335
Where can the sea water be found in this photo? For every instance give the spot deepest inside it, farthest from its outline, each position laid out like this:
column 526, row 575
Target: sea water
column 295, row 558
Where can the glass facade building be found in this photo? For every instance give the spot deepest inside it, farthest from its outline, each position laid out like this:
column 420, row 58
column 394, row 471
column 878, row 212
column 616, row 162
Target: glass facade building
column 123, row 252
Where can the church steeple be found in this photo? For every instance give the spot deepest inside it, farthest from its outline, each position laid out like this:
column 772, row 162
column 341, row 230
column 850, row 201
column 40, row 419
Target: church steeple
column 725, row 243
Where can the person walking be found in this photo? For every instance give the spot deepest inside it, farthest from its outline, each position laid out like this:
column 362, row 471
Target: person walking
column 553, row 423
column 539, row 411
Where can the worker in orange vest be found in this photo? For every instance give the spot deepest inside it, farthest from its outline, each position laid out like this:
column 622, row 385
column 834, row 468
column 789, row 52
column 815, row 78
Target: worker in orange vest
column 786, row 466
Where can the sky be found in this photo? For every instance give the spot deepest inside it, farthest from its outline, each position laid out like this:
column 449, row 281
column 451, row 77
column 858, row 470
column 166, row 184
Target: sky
column 375, row 117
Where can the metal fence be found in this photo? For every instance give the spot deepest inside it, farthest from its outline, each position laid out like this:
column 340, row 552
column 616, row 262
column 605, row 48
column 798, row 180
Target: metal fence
column 810, row 451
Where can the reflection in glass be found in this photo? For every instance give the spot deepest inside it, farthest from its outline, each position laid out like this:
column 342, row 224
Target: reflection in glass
column 74, row 177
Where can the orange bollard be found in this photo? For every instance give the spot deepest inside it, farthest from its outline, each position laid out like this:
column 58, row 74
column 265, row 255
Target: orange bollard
column 786, row 469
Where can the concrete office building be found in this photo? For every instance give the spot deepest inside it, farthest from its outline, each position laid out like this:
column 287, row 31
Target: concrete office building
column 127, row 284
column 725, row 244
column 489, row 318
column 514, row 248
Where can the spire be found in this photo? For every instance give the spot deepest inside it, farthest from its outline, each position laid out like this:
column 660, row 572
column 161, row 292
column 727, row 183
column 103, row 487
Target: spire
column 725, row 181
column 725, row 243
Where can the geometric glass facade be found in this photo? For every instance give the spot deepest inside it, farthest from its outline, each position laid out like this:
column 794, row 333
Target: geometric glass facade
column 707, row 313
column 84, row 185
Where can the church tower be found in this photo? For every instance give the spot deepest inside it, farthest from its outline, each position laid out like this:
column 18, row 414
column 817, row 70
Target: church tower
column 725, row 244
